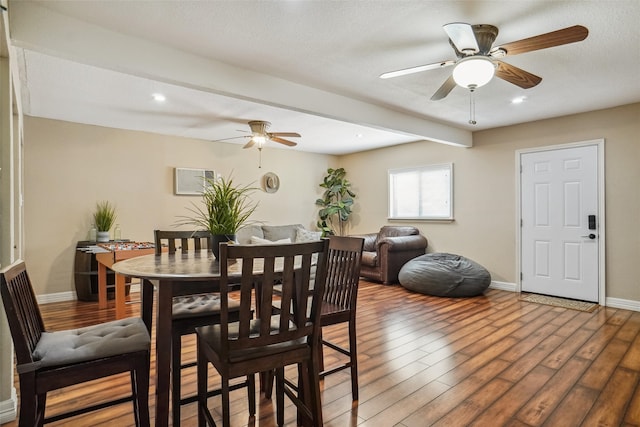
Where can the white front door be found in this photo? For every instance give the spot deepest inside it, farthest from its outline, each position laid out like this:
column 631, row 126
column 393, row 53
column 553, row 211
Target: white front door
column 559, row 222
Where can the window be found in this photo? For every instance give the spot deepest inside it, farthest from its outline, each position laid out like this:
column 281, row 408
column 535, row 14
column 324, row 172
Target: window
column 421, row 193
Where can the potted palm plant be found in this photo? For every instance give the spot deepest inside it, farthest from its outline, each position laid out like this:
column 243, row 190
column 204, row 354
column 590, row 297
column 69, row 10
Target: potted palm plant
column 225, row 208
column 336, row 203
column 104, row 218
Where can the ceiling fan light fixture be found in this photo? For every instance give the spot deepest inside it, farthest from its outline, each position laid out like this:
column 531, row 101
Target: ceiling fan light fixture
column 473, row 72
column 259, row 139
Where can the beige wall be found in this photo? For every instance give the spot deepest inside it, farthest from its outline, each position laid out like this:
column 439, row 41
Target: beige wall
column 484, row 183
column 69, row 167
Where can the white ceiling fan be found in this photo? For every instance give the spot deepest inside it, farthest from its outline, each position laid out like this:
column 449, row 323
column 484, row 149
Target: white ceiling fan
column 478, row 62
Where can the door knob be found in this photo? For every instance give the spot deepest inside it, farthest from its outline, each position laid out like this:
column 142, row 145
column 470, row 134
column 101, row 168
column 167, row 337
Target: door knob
column 591, row 236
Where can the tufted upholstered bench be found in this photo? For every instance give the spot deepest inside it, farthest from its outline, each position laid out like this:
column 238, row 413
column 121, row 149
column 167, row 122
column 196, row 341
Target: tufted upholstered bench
column 444, row 275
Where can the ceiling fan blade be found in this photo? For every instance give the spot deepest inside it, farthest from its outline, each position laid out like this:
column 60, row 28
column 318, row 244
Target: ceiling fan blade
column 417, row 69
column 249, row 144
column 444, row 90
column 543, row 41
column 291, row 134
column 462, row 36
column 233, row 137
column 284, row 141
column 517, row 76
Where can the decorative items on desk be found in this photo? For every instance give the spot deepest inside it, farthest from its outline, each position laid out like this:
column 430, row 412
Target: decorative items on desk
column 117, row 233
column 93, row 234
column 104, row 217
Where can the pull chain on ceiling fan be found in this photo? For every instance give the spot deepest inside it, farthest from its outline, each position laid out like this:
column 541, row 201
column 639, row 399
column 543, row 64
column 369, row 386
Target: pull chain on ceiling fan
column 478, row 62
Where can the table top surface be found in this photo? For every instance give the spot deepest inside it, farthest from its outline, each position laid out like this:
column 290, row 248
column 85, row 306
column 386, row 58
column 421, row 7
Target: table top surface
column 181, row 266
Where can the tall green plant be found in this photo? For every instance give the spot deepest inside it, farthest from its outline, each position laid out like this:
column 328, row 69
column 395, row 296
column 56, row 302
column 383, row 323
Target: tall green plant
column 336, row 202
column 104, row 216
column 225, row 209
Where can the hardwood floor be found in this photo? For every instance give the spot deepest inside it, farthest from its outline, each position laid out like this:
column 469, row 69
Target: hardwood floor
column 486, row 361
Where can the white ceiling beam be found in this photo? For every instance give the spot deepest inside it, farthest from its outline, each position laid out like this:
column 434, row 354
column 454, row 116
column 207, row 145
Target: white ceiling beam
column 37, row 28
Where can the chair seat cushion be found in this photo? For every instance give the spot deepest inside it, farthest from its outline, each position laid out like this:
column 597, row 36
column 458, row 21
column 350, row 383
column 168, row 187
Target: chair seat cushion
column 211, row 336
column 445, row 275
column 199, row 305
column 92, row 342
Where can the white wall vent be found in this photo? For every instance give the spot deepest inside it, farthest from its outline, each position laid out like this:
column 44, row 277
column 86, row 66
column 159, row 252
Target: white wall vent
column 191, row 181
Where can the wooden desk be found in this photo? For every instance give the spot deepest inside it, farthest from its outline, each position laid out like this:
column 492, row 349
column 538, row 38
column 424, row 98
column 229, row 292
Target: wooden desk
column 170, row 273
column 117, row 252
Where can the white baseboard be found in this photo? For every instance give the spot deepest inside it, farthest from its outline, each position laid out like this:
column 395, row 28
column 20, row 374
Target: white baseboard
column 57, row 297
column 9, row 408
column 71, row 295
column 503, row 286
column 626, row 304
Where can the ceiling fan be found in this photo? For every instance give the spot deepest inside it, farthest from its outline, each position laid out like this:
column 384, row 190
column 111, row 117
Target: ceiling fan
column 260, row 136
column 477, row 61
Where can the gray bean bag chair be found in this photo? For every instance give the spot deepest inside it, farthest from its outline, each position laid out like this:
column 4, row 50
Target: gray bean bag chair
column 444, row 275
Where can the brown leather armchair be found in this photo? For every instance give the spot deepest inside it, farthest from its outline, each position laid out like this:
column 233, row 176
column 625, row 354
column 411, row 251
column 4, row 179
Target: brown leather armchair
column 386, row 251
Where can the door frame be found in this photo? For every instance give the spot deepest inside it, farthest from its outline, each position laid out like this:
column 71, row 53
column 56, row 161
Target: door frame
column 599, row 143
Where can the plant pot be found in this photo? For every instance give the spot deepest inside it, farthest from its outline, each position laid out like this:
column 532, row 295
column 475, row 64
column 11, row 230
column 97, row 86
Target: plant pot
column 103, row 236
column 221, row 238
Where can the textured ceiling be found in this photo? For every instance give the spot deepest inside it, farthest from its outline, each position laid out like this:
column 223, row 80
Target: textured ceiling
column 310, row 66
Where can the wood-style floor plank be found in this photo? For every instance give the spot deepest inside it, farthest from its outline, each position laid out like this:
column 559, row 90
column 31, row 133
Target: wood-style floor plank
column 491, row 360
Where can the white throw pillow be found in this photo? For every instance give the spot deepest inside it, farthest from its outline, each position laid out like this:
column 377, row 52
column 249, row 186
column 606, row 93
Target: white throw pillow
column 303, row 235
column 255, row 240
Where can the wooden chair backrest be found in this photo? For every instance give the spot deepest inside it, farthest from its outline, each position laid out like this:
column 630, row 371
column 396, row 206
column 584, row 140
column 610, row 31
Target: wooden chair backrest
column 343, row 271
column 23, row 314
column 187, row 240
column 268, row 327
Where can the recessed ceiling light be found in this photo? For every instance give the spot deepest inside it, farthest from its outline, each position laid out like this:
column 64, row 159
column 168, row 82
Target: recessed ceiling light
column 518, row 100
column 359, row 135
column 158, row 97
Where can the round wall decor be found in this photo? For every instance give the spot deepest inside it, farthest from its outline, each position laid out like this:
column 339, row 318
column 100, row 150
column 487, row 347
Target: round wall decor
column 271, row 182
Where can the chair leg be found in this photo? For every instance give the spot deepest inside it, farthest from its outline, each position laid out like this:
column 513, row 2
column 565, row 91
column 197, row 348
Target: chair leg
column 279, row 395
column 41, row 405
column 31, row 406
column 226, row 418
column 320, row 352
column 251, row 391
column 202, row 379
column 140, row 389
column 266, row 383
column 176, row 361
column 313, row 388
column 353, row 354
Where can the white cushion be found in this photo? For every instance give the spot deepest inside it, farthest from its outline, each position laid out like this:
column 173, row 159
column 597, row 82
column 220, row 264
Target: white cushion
column 92, row 342
column 303, row 235
column 255, row 240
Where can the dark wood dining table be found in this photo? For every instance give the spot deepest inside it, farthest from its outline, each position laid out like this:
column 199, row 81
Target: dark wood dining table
column 175, row 274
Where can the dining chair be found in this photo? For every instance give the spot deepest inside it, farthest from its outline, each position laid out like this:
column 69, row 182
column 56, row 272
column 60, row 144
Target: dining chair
column 47, row 361
column 270, row 341
column 339, row 305
column 199, row 306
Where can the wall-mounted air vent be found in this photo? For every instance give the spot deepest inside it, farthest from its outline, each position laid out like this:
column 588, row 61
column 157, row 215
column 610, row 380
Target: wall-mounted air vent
column 191, row 181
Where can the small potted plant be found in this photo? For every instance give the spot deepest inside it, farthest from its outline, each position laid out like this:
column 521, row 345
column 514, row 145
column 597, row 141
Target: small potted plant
column 104, row 218
column 226, row 209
